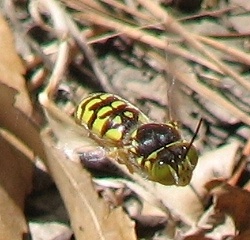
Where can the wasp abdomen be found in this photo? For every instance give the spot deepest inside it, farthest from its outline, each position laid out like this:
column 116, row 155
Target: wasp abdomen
column 108, row 116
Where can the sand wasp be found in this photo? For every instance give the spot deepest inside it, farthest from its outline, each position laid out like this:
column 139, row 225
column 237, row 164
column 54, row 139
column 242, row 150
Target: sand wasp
column 154, row 149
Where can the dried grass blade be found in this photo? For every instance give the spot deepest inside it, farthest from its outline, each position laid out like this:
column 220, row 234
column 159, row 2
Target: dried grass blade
column 203, row 91
column 143, row 36
column 171, row 24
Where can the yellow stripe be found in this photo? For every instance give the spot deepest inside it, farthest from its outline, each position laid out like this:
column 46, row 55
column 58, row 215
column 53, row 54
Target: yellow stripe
column 153, row 155
column 117, row 120
column 116, row 104
column 79, row 111
column 103, row 111
column 133, row 135
column 139, row 160
column 114, row 134
column 89, row 113
column 78, row 114
column 128, row 114
column 105, row 96
column 87, row 116
column 148, row 165
column 98, row 125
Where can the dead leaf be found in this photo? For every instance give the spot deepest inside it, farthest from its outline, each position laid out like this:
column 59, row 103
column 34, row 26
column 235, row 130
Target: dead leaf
column 198, row 236
column 15, row 183
column 15, row 105
column 218, row 163
column 12, row 69
column 208, row 27
column 182, row 201
column 242, row 3
column 232, row 201
column 240, row 23
column 16, row 122
column 243, row 236
column 215, row 225
column 50, row 231
column 246, row 150
column 90, row 217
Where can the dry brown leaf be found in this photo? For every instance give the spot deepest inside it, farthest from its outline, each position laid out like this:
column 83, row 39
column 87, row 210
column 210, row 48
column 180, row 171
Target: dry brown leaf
column 182, row 201
column 240, row 23
column 242, row 3
column 15, row 106
column 50, row 231
column 17, row 132
column 12, row 69
column 246, row 150
column 232, row 201
column 16, row 122
column 90, row 217
column 218, row 163
column 243, row 236
column 198, row 236
column 215, row 224
column 15, row 183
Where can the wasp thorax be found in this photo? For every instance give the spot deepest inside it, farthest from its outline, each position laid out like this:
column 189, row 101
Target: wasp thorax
column 152, row 136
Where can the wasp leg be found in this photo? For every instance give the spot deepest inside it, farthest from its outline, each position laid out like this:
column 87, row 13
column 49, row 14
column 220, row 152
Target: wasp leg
column 121, row 156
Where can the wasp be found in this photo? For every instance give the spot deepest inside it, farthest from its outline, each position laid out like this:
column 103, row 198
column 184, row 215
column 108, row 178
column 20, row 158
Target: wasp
column 156, row 150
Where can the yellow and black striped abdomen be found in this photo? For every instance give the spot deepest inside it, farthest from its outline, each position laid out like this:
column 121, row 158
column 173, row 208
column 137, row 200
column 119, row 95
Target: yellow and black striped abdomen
column 109, row 116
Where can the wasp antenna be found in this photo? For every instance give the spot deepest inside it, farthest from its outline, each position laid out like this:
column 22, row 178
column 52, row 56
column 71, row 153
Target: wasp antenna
column 169, row 96
column 194, row 136
column 197, row 130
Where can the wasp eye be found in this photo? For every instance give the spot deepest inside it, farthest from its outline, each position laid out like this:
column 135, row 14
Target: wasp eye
column 161, row 163
column 161, row 172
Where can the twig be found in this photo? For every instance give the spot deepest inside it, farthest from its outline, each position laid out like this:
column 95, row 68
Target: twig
column 127, row 9
column 144, row 37
column 64, row 26
column 59, row 69
column 171, row 24
column 203, row 90
column 233, row 52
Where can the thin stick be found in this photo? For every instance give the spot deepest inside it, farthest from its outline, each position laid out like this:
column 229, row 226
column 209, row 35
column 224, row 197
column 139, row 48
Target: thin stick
column 65, row 25
column 233, row 52
column 204, row 91
column 144, row 37
column 58, row 70
column 172, row 25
